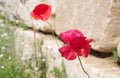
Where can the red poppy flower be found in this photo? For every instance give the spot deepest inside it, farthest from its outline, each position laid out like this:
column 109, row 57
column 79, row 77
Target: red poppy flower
column 77, row 45
column 70, row 34
column 68, row 52
column 41, row 11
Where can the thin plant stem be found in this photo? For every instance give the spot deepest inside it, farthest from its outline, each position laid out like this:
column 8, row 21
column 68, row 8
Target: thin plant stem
column 53, row 33
column 36, row 59
column 35, row 48
column 83, row 67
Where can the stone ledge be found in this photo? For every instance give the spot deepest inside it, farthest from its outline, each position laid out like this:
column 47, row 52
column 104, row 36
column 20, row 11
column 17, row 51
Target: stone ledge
column 101, row 67
column 96, row 67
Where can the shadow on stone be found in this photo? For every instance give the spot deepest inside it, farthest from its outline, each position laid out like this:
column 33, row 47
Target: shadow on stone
column 118, row 63
column 100, row 54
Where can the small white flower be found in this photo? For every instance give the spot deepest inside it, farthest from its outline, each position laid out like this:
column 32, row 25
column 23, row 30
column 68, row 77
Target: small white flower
column 43, row 60
column 2, row 25
column 22, row 43
column 9, row 58
column 36, row 68
column 3, row 48
column 3, row 35
column 1, row 55
column 2, row 67
column 22, row 59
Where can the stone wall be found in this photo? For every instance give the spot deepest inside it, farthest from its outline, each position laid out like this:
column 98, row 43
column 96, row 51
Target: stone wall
column 96, row 19
column 96, row 67
column 20, row 12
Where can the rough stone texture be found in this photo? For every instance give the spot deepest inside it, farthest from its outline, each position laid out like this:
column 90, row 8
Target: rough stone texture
column 20, row 12
column 2, row 4
column 101, row 67
column 25, row 49
column 24, row 43
column 97, row 19
column 118, row 49
column 96, row 67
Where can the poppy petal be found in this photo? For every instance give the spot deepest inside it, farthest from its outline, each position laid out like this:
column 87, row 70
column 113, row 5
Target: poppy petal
column 89, row 40
column 70, row 34
column 36, row 17
column 67, row 52
column 85, row 51
column 41, row 11
column 77, row 43
column 81, row 46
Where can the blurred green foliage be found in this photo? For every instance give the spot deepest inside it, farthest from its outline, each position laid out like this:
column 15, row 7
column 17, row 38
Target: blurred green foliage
column 116, row 57
column 10, row 65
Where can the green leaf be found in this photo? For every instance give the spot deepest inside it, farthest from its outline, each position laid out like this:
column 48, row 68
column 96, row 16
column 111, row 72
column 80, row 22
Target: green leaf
column 116, row 57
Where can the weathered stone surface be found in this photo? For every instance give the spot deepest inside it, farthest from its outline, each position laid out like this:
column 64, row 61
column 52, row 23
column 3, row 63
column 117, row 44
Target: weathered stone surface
column 118, row 49
column 97, row 19
column 96, row 67
column 2, row 5
column 101, row 67
column 24, row 43
column 20, row 12
column 25, row 49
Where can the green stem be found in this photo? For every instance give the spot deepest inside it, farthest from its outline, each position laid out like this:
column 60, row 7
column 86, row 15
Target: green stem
column 83, row 67
column 36, row 59
column 53, row 33
column 35, row 48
